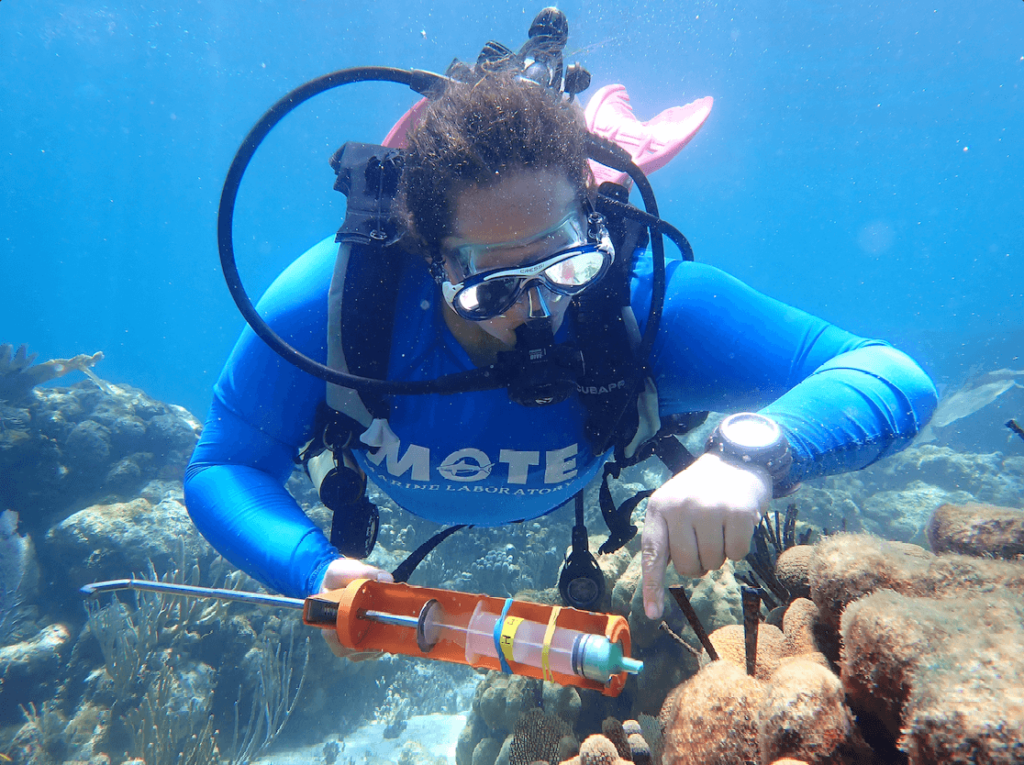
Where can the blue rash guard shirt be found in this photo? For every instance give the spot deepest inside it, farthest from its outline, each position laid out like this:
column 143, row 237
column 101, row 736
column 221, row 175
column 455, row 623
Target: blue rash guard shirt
column 842, row 401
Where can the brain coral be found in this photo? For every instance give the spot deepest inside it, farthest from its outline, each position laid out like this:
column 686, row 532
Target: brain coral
column 793, row 570
column 711, row 718
column 804, row 714
column 730, row 645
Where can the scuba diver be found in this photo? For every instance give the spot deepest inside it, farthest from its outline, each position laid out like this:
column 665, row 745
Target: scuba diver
column 480, row 262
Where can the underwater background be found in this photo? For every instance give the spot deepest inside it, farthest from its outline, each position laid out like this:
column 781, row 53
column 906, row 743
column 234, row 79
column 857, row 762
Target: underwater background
column 862, row 162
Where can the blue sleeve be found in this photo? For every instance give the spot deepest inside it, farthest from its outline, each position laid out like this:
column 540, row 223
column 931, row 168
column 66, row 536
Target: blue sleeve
column 263, row 411
column 842, row 401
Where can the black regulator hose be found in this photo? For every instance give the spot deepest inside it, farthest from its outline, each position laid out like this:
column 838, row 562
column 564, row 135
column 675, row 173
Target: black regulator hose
column 427, row 84
column 614, row 156
column 423, row 83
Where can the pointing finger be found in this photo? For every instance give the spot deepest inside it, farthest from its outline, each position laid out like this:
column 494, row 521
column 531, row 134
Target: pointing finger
column 654, row 560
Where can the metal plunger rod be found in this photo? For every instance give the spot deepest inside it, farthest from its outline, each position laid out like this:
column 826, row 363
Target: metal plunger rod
column 395, row 620
column 189, row 591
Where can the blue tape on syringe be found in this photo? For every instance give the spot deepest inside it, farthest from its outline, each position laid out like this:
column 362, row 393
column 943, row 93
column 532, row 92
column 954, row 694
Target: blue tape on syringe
column 498, row 625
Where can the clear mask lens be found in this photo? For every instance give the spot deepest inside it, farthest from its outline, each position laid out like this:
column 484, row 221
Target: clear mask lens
column 487, row 295
column 580, row 254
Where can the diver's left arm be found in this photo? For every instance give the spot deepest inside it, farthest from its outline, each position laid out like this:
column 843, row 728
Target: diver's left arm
column 842, row 402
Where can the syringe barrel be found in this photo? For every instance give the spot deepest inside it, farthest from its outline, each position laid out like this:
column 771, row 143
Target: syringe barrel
column 527, row 647
column 570, row 652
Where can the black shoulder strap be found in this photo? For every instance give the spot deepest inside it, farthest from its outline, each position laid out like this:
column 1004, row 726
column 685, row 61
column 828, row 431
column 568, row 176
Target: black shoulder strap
column 368, row 175
column 608, row 337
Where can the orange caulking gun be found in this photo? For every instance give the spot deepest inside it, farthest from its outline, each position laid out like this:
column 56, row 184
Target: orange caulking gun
column 562, row 645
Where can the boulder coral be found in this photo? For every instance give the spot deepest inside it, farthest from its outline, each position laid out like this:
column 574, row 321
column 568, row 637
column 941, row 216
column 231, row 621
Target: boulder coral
column 800, row 626
column 846, row 567
column 597, row 750
column 729, row 643
column 943, row 676
column 794, row 707
column 932, row 645
column 793, row 570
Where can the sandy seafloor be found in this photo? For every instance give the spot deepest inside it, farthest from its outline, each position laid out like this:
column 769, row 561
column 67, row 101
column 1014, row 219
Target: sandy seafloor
column 437, row 734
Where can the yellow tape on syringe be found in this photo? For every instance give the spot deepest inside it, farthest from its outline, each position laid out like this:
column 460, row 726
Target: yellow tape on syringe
column 545, row 651
column 508, row 635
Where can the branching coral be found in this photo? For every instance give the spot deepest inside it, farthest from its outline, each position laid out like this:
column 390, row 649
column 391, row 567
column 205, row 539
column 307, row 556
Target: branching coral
column 142, row 650
column 18, row 374
column 273, row 700
column 165, row 735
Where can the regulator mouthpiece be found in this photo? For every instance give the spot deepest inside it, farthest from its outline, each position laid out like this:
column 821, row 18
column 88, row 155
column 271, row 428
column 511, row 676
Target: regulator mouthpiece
column 540, row 372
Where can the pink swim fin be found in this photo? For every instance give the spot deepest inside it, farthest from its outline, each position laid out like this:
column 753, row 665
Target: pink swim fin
column 652, row 144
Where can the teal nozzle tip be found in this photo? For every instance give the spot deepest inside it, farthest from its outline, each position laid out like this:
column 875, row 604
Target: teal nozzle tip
column 602, row 660
column 632, row 666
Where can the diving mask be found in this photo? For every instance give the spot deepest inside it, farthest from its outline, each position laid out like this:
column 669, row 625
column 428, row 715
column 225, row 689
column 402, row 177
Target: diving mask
column 580, row 258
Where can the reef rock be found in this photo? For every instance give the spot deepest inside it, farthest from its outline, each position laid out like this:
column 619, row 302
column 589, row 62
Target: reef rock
column 113, row 541
column 69, row 447
column 902, row 515
column 986, row 477
column 981, row 530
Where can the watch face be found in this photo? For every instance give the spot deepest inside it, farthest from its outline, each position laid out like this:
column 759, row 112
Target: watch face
column 750, row 431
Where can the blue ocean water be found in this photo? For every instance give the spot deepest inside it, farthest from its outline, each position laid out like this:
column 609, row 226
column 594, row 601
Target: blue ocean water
column 863, row 161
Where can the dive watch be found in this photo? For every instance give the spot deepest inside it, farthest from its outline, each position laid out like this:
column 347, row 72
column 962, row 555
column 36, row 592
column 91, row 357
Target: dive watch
column 753, row 439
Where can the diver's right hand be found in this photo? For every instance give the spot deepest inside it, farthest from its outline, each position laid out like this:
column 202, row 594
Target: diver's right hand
column 339, row 573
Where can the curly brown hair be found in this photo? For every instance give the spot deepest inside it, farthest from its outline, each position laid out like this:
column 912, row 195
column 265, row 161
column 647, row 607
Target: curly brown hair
column 476, row 133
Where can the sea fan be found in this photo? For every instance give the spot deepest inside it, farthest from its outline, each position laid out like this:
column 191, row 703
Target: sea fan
column 15, row 561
